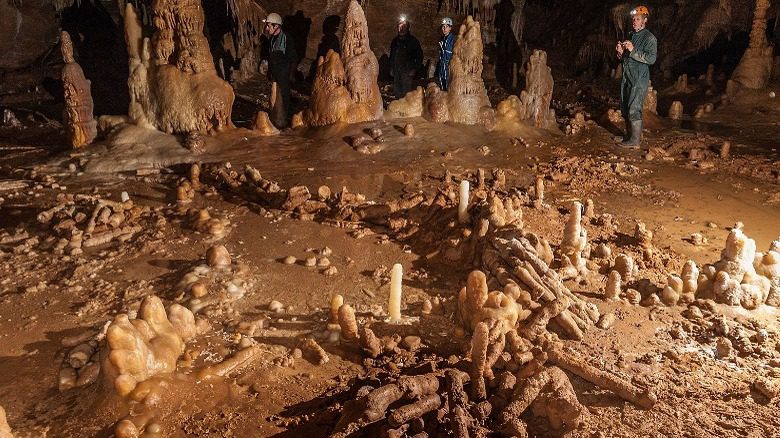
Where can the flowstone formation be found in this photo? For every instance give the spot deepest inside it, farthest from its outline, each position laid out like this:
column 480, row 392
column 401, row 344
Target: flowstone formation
column 345, row 87
column 410, row 105
column 80, row 126
column 742, row 276
column 149, row 345
column 466, row 100
column 755, row 67
column 534, row 102
column 173, row 84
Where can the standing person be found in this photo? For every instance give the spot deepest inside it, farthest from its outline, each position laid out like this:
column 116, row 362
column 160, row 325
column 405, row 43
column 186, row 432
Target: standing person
column 637, row 54
column 406, row 58
column 282, row 58
column 446, row 43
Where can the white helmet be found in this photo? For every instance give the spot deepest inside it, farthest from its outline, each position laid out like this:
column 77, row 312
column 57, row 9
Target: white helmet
column 273, row 18
column 447, row 21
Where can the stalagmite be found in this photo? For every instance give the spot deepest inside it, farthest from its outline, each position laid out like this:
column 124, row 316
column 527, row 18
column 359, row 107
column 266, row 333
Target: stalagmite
column 602, row 379
column 612, row 292
column 590, row 210
column 79, row 123
column 315, row 351
column 463, row 202
column 533, row 105
column 650, row 104
column 348, row 323
column 642, row 235
column 394, row 304
column 5, row 429
column 141, row 348
column 681, row 86
column 769, row 267
column 345, row 87
column 755, row 67
column 238, row 361
column 725, row 150
column 670, row 295
column 741, row 276
column 466, row 100
column 690, row 278
column 262, row 124
column 218, row 256
column 624, row 264
column 676, row 110
column 709, row 77
column 479, row 346
column 575, row 237
column 336, row 301
column 174, row 86
column 539, row 192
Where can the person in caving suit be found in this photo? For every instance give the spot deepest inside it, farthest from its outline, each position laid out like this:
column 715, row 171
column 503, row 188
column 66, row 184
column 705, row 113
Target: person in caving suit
column 446, row 44
column 406, row 57
column 637, row 54
column 282, row 58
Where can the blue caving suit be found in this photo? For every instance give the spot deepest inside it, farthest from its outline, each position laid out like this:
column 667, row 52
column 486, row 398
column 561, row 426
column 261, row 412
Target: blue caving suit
column 446, row 44
column 636, row 74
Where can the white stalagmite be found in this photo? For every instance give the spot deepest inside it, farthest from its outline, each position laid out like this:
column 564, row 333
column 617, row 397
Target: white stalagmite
column 394, row 305
column 463, row 203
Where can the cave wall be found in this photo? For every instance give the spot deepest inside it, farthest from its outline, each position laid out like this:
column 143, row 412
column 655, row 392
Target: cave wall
column 28, row 30
column 581, row 35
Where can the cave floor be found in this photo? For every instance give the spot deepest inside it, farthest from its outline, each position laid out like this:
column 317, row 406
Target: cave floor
column 45, row 298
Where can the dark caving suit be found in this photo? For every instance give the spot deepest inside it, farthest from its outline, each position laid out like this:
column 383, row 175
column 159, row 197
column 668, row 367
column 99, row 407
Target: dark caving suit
column 406, row 57
column 636, row 79
column 282, row 57
column 446, row 44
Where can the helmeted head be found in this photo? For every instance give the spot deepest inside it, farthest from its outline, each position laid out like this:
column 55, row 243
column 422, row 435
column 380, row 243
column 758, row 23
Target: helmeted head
column 273, row 23
column 403, row 25
column 639, row 17
column 446, row 26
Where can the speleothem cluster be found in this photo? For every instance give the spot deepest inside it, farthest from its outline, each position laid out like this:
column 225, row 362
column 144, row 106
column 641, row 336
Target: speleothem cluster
column 174, row 86
column 345, row 87
column 512, row 363
column 78, row 222
column 533, row 104
column 466, row 100
column 742, row 276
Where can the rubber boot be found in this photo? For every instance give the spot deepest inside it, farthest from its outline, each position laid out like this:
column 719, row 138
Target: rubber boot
column 636, row 136
column 626, row 135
